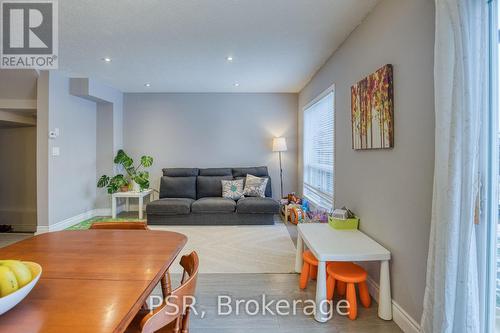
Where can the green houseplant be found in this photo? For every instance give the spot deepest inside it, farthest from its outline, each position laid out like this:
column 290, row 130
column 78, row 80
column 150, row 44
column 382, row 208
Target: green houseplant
column 135, row 175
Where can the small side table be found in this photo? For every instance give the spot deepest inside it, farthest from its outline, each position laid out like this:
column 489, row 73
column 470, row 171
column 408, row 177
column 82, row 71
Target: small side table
column 128, row 195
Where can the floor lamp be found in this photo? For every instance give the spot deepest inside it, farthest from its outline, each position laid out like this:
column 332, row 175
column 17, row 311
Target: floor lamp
column 279, row 145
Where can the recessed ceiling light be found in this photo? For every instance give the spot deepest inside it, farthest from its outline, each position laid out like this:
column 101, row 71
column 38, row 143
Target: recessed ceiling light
column 236, row 84
column 229, row 58
column 147, row 84
column 106, row 59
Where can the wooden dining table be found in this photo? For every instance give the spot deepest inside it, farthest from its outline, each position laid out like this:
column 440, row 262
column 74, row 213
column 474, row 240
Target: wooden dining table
column 92, row 281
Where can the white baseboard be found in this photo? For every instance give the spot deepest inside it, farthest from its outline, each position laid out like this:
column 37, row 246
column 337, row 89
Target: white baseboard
column 61, row 225
column 399, row 315
column 69, row 222
column 41, row 229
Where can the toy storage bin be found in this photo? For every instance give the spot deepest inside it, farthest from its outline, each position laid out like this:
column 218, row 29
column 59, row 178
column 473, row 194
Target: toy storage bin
column 343, row 224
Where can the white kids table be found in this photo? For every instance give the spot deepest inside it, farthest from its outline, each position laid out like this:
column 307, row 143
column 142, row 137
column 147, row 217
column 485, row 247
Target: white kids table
column 328, row 244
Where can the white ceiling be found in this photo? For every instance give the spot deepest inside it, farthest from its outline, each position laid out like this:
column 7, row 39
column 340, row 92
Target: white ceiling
column 181, row 45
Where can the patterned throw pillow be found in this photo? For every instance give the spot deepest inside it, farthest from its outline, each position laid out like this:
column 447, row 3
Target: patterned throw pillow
column 255, row 186
column 232, row 189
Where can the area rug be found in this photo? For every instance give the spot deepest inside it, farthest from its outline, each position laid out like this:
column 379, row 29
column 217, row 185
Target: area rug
column 238, row 249
column 230, row 249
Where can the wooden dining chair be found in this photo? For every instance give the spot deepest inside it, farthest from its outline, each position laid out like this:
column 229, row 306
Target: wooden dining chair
column 166, row 282
column 173, row 315
column 120, row 225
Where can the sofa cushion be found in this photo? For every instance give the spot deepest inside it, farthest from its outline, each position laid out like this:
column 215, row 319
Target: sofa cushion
column 232, row 189
column 216, row 172
column 180, row 172
column 210, row 186
column 256, row 171
column 255, row 186
column 257, row 206
column 178, row 187
column 269, row 192
column 170, row 206
column 213, row 205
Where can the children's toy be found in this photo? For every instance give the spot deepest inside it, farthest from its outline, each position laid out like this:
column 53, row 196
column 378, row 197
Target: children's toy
column 318, row 215
column 340, row 214
column 296, row 215
column 305, row 205
column 293, row 198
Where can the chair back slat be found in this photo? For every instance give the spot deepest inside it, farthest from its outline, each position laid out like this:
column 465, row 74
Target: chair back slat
column 119, row 226
column 178, row 302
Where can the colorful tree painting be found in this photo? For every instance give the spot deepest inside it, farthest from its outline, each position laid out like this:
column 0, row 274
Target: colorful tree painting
column 372, row 111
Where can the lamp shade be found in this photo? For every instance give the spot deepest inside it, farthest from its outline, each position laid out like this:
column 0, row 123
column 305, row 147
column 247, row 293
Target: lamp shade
column 279, row 144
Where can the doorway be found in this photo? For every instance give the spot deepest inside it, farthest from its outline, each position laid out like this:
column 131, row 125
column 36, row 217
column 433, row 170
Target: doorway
column 18, row 205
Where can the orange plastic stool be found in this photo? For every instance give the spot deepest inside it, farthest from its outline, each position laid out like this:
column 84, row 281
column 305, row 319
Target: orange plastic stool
column 309, row 268
column 348, row 273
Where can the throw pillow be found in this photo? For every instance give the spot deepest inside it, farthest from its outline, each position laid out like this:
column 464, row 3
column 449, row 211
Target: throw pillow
column 232, row 189
column 255, row 186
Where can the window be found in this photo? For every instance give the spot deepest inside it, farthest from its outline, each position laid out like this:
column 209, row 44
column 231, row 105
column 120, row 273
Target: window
column 318, row 150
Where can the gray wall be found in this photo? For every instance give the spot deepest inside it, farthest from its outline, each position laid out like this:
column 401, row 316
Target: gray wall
column 391, row 190
column 90, row 133
column 104, row 149
column 18, row 178
column 42, row 149
column 212, row 130
column 72, row 175
column 109, row 129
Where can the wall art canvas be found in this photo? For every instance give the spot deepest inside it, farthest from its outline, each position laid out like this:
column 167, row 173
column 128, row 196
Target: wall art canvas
column 372, row 111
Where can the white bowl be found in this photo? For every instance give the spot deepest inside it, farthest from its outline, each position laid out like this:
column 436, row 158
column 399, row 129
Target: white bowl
column 11, row 300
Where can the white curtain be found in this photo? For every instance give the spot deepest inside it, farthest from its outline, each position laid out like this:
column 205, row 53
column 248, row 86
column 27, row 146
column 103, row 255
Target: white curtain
column 451, row 302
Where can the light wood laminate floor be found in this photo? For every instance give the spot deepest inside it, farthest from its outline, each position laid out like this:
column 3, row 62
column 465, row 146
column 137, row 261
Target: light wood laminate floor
column 253, row 286
column 276, row 287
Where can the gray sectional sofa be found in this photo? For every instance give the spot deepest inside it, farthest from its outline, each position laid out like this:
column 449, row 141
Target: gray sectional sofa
column 192, row 196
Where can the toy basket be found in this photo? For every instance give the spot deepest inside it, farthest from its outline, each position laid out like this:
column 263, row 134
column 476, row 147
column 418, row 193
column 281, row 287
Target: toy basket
column 347, row 224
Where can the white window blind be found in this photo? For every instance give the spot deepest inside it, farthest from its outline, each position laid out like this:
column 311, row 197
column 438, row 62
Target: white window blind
column 318, row 151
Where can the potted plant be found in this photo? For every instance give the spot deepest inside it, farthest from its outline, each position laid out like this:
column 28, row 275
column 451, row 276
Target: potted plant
column 113, row 184
column 137, row 177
